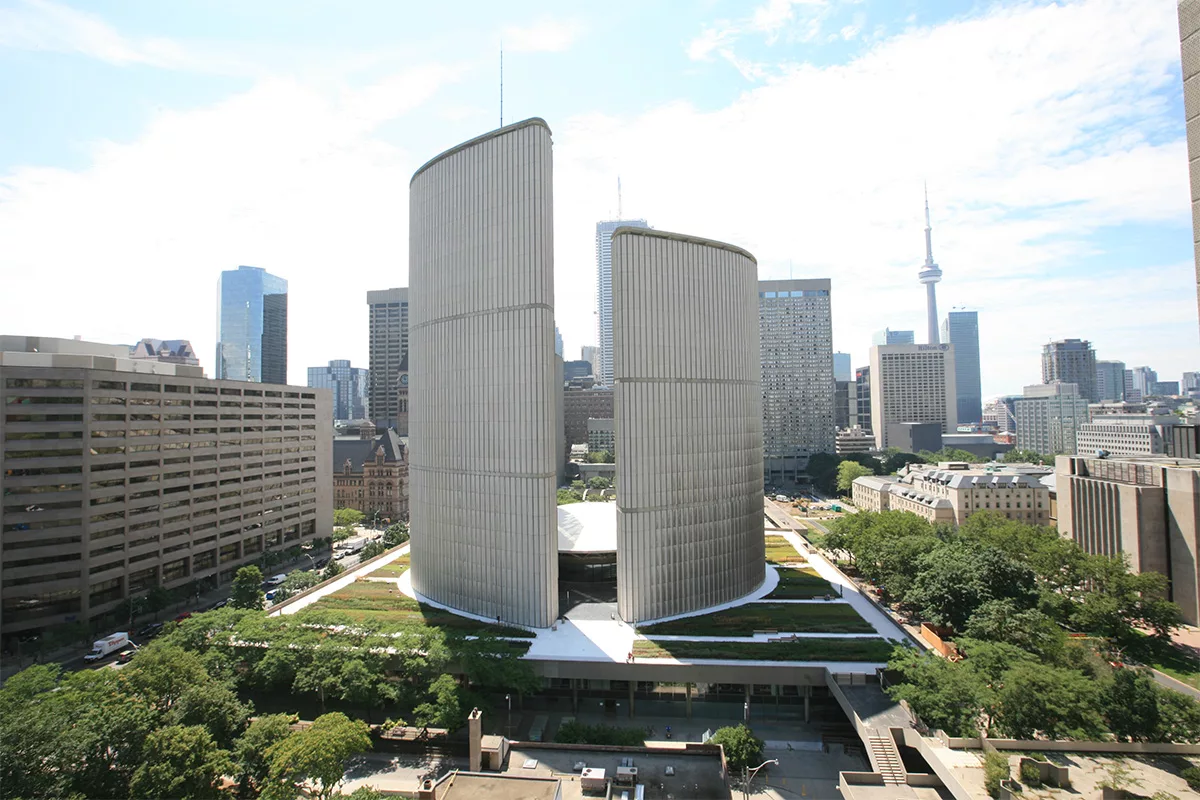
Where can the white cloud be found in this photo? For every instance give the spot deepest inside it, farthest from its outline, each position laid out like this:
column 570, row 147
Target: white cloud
column 543, row 36
column 1037, row 128
column 771, row 19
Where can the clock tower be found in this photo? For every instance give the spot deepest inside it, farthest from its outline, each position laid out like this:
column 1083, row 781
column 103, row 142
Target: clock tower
column 402, row 397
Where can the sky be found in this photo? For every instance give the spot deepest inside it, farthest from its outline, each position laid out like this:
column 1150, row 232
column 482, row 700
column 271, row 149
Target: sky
column 146, row 147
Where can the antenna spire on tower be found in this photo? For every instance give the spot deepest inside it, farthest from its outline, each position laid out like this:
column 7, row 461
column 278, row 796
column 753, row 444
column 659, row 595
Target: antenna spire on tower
column 928, row 231
column 501, row 84
column 619, row 198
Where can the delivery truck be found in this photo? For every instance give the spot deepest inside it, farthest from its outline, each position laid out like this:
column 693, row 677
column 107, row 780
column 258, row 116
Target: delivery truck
column 106, row 646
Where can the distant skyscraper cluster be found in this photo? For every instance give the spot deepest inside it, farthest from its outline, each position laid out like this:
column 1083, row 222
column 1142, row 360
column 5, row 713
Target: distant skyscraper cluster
column 348, row 385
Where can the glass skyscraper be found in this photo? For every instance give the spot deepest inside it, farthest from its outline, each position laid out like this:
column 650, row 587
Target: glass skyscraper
column 349, row 387
column 961, row 328
column 251, row 326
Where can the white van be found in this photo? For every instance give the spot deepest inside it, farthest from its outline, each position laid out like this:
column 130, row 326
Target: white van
column 275, row 580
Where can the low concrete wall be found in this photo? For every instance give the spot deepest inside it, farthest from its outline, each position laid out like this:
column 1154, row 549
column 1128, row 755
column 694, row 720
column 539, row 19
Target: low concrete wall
column 1060, row 746
column 276, row 607
column 922, row 779
column 919, row 743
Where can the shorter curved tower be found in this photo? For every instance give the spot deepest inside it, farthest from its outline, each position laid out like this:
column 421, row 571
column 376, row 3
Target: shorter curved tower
column 688, row 417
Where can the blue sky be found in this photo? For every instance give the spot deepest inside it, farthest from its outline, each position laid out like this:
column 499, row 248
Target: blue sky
column 148, row 146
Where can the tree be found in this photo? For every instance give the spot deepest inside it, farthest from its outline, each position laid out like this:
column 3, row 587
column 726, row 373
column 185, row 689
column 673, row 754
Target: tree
column 332, row 570
column 943, row 694
column 599, row 483
column 247, row 588
column 1054, row 702
column 954, row 580
column 180, row 762
column 1027, row 457
column 371, row 793
column 898, row 461
column 848, row 472
column 568, row 496
column 1028, row 628
column 317, row 755
column 251, row 749
column 371, row 550
column 322, row 674
column 215, row 707
column 1178, row 718
column 742, row 748
column 162, row 673
column 1130, row 704
column 396, row 534
column 444, row 708
column 297, row 581
column 347, row 517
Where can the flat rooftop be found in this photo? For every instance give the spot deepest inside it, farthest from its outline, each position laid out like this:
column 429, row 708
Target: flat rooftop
column 587, row 528
column 696, row 774
column 459, row 785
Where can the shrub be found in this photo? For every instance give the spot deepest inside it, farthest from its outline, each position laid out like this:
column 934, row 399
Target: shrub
column 1192, row 776
column 995, row 769
column 578, row 733
column 1030, row 774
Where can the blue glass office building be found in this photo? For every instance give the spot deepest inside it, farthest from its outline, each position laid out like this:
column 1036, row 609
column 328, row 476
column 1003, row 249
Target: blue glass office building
column 251, row 326
column 961, row 328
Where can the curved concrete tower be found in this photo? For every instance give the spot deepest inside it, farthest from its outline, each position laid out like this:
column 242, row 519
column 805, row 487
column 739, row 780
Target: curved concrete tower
column 483, row 459
column 688, row 417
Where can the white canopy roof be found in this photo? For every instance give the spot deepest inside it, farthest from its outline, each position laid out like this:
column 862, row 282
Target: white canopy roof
column 587, row 527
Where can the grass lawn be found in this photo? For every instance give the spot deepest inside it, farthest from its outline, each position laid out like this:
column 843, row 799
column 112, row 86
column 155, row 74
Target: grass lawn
column 800, row 584
column 806, row 650
column 394, row 569
column 374, row 600
column 782, row 617
column 1164, row 657
column 780, row 551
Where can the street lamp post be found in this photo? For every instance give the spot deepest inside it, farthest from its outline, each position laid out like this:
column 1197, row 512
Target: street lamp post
column 750, row 776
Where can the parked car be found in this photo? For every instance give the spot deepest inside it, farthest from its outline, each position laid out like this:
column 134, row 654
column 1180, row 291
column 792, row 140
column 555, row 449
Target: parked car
column 220, row 604
column 321, row 563
column 151, row 630
column 183, row 616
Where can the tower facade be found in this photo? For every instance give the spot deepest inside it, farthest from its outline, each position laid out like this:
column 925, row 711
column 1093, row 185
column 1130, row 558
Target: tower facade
column 348, row 385
column 961, row 328
column 482, row 466
column 912, row 383
column 602, row 367
column 798, row 388
column 1110, row 381
column 1071, row 361
column 252, row 326
column 388, row 330
column 689, row 508
column 930, row 274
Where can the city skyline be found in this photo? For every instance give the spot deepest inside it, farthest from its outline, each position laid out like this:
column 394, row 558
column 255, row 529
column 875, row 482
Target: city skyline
column 178, row 130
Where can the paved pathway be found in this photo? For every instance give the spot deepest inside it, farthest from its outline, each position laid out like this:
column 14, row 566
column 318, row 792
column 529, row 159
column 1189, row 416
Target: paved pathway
column 342, row 582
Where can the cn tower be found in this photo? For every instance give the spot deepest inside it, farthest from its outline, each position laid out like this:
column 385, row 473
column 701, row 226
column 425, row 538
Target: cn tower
column 930, row 274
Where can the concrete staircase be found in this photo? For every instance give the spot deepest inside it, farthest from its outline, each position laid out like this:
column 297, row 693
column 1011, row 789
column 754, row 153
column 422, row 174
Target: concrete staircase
column 885, row 758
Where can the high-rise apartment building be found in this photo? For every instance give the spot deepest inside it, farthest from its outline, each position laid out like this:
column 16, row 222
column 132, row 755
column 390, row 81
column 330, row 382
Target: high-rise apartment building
column 1048, row 417
column 252, row 325
column 1110, row 381
column 912, row 383
column 842, row 370
column 387, row 392
column 347, row 384
column 689, row 505
column 1071, row 361
column 862, row 398
column 1189, row 45
column 1142, row 378
column 476, row 297
column 961, row 329
column 889, row 336
column 122, row 475
column 796, row 354
column 602, row 365
column 168, row 351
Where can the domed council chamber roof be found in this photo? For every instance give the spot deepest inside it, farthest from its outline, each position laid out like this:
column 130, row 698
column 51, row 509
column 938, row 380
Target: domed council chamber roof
column 587, row 528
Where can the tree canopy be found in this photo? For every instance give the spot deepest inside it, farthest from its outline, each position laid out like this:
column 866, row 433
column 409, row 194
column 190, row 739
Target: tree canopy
column 247, row 588
column 742, row 748
column 848, row 472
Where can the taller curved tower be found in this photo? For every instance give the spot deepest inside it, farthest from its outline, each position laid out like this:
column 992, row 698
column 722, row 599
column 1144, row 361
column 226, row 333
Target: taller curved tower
column 930, row 274
column 688, row 417
column 483, row 442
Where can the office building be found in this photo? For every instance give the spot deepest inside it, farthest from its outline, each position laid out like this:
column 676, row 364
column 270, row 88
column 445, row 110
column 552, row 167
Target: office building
column 124, row 475
column 580, row 405
column 1000, row 414
column 841, row 404
column 983, row 445
column 689, row 430
column 841, row 367
column 1132, row 393
column 600, row 436
column 951, row 491
column 591, row 355
column 1048, row 417
column 388, row 359
column 796, row 356
column 1125, row 434
column 1143, row 377
column 961, row 329
column 252, row 326
column 576, row 369
column 1164, row 388
column 853, row 440
column 912, row 383
column 347, row 384
column 168, row 351
column 370, row 473
column 482, row 494
column 1147, row 508
column 929, row 275
column 1096, row 410
column 1071, row 361
column 889, row 336
column 862, row 398
column 1110, row 381
column 1191, row 382
column 1189, row 45
column 602, row 365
